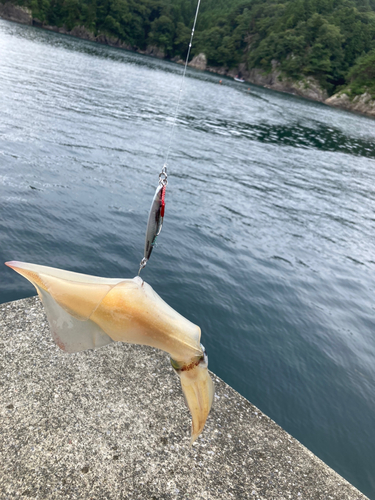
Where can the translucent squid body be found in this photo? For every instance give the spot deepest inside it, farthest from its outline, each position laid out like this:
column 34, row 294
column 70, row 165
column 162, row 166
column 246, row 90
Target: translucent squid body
column 87, row 312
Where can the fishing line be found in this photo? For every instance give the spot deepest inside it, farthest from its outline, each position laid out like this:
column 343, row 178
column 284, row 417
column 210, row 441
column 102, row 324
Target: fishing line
column 182, row 85
column 156, row 214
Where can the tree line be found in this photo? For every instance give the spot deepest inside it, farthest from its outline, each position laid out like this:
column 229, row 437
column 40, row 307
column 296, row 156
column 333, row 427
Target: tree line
column 332, row 40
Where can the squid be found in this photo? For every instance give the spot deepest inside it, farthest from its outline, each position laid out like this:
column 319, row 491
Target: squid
column 88, row 312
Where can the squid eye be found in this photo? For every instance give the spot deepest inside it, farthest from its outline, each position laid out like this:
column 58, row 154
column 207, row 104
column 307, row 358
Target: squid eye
column 176, row 367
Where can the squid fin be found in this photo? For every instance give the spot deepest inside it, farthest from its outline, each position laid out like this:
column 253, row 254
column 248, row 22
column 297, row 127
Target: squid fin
column 78, row 294
column 70, row 333
column 71, row 330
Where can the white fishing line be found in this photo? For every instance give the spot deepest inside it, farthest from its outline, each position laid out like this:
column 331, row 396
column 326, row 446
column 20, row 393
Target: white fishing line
column 171, row 135
column 156, row 214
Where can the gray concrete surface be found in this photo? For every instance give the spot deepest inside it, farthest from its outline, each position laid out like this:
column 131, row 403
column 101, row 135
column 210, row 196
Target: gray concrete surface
column 112, row 424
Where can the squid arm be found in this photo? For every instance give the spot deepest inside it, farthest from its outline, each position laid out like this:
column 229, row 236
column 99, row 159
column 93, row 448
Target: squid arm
column 88, row 312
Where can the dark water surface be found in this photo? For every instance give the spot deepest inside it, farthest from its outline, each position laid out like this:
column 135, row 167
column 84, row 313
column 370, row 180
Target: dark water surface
column 268, row 242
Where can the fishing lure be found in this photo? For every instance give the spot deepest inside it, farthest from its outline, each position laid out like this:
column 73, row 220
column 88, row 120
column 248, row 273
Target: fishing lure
column 155, row 218
column 88, row 312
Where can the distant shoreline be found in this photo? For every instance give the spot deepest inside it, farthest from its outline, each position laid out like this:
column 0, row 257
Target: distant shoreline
column 308, row 87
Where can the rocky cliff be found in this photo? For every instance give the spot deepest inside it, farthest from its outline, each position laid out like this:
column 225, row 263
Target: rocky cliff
column 307, row 87
column 15, row 13
column 199, row 62
column 364, row 104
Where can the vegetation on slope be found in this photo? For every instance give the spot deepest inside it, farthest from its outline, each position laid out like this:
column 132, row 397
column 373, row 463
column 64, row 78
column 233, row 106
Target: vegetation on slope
column 361, row 76
column 332, row 40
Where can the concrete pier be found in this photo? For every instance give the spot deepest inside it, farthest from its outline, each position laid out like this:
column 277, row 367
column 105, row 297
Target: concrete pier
column 112, row 424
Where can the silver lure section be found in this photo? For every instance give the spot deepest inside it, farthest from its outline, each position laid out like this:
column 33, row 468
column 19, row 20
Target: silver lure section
column 155, row 222
column 155, row 217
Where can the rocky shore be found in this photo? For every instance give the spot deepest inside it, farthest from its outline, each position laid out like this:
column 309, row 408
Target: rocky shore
column 15, row 13
column 274, row 80
column 364, row 103
column 307, row 87
column 23, row 15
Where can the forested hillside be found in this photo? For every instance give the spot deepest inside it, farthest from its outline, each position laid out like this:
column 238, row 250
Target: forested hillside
column 331, row 40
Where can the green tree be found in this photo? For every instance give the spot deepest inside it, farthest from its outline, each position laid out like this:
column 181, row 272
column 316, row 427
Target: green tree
column 162, row 33
column 182, row 39
column 361, row 77
column 71, row 13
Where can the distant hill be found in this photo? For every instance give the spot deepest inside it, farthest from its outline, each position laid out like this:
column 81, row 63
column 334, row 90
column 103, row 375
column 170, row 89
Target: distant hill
column 332, row 41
